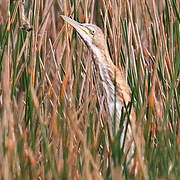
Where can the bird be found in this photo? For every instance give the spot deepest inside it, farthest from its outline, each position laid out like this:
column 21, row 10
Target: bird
column 112, row 78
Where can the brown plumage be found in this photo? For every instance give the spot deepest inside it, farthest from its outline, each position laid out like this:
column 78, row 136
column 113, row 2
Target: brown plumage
column 109, row 73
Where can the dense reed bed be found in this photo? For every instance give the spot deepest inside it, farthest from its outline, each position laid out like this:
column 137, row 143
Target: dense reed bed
column 53, row 119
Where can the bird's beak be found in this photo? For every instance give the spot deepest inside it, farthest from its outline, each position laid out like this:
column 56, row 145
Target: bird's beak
column 82, row 30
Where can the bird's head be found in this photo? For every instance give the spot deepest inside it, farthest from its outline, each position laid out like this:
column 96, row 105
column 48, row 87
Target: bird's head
column 91, row 34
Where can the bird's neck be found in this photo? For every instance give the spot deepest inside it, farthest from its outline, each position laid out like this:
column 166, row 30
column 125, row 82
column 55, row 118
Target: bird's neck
column 107, row 71
column 102, row 57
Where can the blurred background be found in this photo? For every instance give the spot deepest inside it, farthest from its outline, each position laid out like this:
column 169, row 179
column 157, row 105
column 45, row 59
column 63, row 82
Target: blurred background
column 53, row 118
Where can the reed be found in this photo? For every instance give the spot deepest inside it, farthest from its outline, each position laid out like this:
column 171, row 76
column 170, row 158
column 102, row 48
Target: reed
column 53, row 123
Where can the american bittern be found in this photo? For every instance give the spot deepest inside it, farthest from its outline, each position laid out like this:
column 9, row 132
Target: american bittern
column 109, row 73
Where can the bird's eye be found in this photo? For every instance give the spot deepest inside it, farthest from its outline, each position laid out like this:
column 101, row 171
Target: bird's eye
column 92, row 31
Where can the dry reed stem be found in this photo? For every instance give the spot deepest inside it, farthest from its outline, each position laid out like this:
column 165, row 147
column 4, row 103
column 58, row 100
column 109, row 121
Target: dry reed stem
column 7, row 120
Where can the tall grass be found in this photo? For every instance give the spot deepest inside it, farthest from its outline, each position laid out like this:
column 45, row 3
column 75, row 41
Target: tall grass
column 54, row 121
